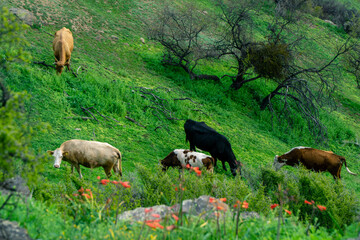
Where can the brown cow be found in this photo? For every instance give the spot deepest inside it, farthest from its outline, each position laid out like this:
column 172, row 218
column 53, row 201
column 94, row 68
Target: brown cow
column 313, row 159
column 90, row 154
column 63, row 45
column 181, row 157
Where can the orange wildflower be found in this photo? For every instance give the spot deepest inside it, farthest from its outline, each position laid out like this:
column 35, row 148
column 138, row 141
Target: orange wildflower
column 125, row 184
column 86, row 195
column 245, row 205
column 307, row 202
column 81, row 190
column 175, row 217
column 155, row 225
column 274, row 205
column 155, row 215
column 197, row 170
column 322, row 208
column 188, row 166
column 104, row 181
column 223, row 199
column 98, row 177
column 147, row 210
column 75, row 194
column 221, row 208
column 212, row 200
column 287, row 211
column 171, row 227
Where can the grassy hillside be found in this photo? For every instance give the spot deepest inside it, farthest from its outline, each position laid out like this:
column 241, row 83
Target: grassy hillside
column 118, row 77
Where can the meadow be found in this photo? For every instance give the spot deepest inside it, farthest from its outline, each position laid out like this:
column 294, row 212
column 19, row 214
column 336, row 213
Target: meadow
column 124, row 95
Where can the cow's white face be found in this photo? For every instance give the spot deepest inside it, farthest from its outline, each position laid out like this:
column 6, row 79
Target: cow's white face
column 278, row 163
column 58, row 155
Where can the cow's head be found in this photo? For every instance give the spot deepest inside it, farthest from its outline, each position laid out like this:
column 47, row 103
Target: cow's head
column 59, row 67
column 279, row 162
column 58, row 154
column 236, row 168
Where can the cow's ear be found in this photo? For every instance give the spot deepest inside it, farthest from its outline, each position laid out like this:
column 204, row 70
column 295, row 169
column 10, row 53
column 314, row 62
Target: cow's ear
column 50, row 152
column 65, row 153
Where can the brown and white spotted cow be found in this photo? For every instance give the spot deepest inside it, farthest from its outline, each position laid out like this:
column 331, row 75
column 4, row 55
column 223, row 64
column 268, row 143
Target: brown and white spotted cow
column 313, row 159
column 182, row 157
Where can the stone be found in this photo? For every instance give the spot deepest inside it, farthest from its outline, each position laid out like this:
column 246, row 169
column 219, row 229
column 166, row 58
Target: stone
column 24, row 15
column 15, row 184
column 195, row 207
column 11, row 231
column 142, row 40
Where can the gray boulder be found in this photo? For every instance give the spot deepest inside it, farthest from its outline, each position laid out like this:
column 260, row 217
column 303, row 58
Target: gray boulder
column 24, row 15
column 11, row 231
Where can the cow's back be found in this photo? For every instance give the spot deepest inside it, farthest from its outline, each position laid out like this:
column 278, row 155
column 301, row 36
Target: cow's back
column 90, row 153
column 318, row 159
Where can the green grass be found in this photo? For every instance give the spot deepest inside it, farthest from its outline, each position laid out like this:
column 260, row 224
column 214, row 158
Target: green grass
column 110, row 74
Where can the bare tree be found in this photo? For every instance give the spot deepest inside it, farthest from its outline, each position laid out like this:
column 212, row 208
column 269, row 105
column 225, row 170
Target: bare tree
column 182, row 32
column 305, row 90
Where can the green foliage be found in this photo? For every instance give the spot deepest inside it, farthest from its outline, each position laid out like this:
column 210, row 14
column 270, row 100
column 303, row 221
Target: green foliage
column 12, row 39
column 270, row 60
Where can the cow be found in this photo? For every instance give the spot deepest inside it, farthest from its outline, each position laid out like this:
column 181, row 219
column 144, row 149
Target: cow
column 313, row 159
column 181, row 157
column 207, row 139
column 63, row 45
column 90, row 154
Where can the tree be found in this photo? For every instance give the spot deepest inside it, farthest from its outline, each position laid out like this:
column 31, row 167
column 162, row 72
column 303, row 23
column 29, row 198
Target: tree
column 182, row 33
column 16, row 155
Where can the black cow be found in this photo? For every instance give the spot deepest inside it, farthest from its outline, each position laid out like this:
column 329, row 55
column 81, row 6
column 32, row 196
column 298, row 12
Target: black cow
column 205, row 138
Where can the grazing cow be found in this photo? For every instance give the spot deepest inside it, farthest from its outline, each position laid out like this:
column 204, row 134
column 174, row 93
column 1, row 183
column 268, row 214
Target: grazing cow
column 313, row 159
column 181, row 157
column 90, row 154
column 207, row 139
column 63, row 45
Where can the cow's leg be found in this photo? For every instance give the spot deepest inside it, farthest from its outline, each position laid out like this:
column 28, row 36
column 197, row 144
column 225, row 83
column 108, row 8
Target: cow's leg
column 192, row 147
column 224, row 167
column 77, row 166
column 107, row 170
column 215, row 160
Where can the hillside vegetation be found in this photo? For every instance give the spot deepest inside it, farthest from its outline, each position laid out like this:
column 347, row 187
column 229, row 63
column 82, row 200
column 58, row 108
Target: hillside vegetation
column 120, row 92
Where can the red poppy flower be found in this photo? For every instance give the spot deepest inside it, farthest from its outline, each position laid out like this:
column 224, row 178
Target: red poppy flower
column 188, row 166
column 274, row 205
column 212, row 200
column 98, row 177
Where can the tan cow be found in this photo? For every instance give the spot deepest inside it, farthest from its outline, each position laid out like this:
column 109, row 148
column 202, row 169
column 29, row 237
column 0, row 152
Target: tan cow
column 63, row 45
column 313, row 159
column 90, row 154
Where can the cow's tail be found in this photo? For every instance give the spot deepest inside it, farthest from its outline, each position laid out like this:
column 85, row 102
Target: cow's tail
column 119, row 163
column 347, row 169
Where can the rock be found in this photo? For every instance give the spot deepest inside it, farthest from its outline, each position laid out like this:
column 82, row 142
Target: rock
column 115, row 38
column 12, row 231
column 15, row 184
column 142, row 40
column 24, row 15
column 197, row 207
